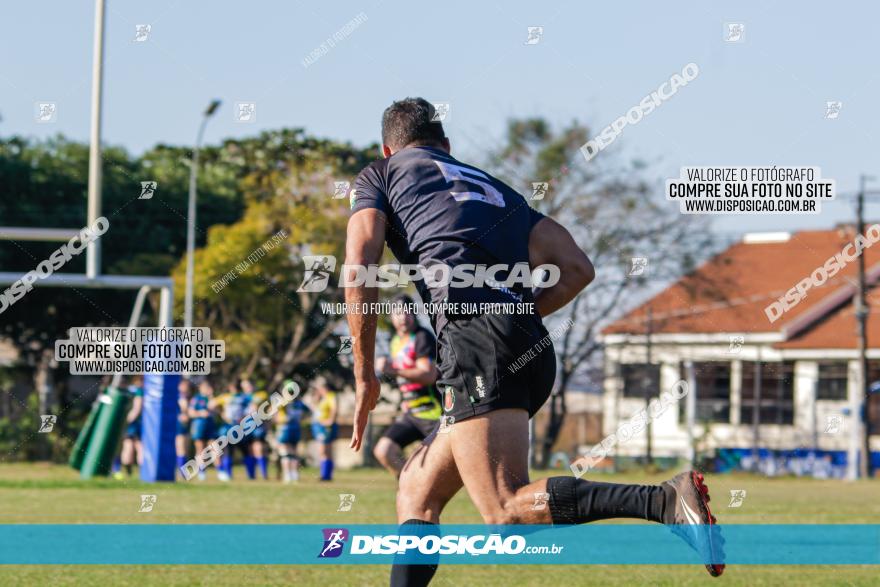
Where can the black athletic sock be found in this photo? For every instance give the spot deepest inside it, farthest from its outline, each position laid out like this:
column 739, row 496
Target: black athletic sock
column 128, row 470
column 576, row 501
column 413, row 575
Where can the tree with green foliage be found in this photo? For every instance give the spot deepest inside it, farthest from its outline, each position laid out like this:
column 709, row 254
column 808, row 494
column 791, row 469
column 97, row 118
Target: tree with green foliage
column 612, row 211
column 248, row 275
column 275, row 176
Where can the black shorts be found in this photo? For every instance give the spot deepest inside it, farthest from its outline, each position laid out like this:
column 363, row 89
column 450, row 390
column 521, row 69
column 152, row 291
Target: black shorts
column 492, row 362
column 408, row 429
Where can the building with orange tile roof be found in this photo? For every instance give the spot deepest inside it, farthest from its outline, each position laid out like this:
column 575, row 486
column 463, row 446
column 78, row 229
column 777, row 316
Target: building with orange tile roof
column 769, row 323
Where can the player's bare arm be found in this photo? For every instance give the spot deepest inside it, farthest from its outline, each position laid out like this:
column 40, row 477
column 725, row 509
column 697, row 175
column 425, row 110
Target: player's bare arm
column 424, row 372
column 135, row 411
column 365, row 241
column 550, row 243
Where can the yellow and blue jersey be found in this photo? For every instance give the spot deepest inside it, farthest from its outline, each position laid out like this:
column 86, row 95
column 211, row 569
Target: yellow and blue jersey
column 233, row 407
column 290, row 421
column 326, row 407
column 201, row 427
column 324, row 429
column 257, row 399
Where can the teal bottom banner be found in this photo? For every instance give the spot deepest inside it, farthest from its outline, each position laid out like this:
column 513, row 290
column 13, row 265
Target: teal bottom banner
column 167, row 544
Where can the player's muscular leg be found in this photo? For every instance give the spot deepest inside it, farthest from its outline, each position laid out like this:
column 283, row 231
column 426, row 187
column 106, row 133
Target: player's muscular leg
column 491, row 451
column 390, row 455
column 491, row 454
column 428, row 481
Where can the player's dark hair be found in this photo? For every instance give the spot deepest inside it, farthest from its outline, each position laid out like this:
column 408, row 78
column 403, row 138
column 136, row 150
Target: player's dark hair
column 407, row 123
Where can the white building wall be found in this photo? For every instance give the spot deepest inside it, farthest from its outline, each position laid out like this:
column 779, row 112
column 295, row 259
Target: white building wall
column 669, row 431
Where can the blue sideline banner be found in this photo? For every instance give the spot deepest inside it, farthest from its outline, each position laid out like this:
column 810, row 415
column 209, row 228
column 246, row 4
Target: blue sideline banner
column 119, row 544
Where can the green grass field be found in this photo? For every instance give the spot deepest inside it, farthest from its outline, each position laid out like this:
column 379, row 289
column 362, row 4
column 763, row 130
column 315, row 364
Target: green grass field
column 55, row 494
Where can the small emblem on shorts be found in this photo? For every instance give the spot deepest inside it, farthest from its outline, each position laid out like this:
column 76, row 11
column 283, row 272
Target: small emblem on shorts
column 481, row 387
column 448, row 398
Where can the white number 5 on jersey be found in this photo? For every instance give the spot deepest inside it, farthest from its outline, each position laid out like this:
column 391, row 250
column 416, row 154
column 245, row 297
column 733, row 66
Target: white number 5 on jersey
column 452, row 172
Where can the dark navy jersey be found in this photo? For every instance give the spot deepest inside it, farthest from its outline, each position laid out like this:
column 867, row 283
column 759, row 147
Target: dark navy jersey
column 442, row 211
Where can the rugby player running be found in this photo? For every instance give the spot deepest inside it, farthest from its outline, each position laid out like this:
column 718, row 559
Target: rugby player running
column 432, row 209
column 412, row 354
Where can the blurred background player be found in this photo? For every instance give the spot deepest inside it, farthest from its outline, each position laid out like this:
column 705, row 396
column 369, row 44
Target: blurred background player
column 181, row 439
column 233, row 406
column 289, row 430
column 257, row 445
column 413, row 350
column 324, row 427
column 131, row 443
column 201, row 418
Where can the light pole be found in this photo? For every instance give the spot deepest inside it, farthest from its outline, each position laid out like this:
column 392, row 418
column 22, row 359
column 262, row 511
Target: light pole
column 859, row 404
column 191, row 216
column 93, row 250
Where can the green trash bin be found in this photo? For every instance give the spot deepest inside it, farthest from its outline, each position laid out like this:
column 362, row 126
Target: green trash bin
column 106, row 434
column 85, row 435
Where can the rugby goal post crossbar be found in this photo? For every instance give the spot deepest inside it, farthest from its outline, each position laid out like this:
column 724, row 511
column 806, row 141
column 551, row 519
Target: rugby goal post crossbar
column 161, row 443
column 95, row 281
column 143, row 283
column 17, row 233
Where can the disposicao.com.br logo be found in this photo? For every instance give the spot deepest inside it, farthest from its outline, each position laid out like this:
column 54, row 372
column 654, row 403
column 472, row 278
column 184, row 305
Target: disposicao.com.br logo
column 320, row 268
column 429, row 544
column 334, row 541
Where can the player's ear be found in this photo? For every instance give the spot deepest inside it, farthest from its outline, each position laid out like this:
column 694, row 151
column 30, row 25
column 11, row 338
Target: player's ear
column 386, row 151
